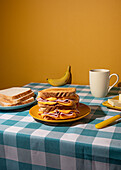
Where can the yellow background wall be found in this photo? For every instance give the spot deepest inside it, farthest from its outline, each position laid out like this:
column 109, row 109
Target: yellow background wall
column 40, row 38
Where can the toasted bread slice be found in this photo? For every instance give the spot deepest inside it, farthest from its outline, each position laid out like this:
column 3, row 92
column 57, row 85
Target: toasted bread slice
column 31, row 99
column 14, row 92
column 57, row 92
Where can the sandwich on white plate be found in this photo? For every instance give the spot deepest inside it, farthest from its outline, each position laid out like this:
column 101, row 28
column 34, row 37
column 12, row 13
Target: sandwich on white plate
column 16, row 96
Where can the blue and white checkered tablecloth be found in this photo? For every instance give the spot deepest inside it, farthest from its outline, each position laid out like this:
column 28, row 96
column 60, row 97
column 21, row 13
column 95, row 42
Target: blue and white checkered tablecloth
column 29, row 145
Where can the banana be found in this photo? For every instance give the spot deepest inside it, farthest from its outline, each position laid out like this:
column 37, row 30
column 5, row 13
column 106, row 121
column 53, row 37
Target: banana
column 63, row 80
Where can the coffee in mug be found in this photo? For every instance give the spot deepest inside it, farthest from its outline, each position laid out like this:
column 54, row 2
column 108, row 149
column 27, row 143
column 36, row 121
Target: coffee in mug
column 99, row 82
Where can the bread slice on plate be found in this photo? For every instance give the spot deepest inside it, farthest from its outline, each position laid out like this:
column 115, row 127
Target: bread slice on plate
column 31, row 99
column 16, row 96
column 14, row 92
column 18, row 100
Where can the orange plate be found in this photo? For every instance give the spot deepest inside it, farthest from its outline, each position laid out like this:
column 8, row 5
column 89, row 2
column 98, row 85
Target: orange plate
column 84, row 111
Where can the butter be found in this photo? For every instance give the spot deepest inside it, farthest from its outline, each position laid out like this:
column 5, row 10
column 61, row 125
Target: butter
column 114, row 102
column 65, row 111
column 120, row 97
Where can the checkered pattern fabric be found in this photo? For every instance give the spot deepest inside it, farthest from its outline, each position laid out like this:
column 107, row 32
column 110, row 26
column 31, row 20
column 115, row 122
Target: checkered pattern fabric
column 26, row 144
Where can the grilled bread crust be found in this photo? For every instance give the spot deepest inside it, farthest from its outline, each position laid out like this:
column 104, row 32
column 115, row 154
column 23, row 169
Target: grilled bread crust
column 57, row 92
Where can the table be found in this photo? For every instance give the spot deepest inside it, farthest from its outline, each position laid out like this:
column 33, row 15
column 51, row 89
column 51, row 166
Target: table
column 29, row 145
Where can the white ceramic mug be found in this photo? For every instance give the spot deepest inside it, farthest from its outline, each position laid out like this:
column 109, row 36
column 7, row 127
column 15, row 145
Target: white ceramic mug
column 99, row 82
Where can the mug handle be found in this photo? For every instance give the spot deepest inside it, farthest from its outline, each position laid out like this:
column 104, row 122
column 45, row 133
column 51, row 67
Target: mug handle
column 115, row 81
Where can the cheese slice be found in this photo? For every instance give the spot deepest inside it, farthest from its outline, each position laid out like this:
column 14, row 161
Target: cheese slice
column 62, row 111
column 65, row 111
column 51, row 98
column 114, row 102
column 59, row 114
column 47, row 102
column 53, row 101
column 70, row 103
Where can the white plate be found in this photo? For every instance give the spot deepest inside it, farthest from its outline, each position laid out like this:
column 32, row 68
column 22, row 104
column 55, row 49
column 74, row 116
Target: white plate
column 17, row 107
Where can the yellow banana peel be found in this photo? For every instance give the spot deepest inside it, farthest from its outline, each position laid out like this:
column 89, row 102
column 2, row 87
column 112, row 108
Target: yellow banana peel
column 66, row 79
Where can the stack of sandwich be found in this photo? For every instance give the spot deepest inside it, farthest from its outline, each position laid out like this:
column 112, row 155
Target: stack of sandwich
column 15, row 96
column 58, row 103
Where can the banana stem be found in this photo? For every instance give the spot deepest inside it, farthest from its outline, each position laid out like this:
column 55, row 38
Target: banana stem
column 69, row 68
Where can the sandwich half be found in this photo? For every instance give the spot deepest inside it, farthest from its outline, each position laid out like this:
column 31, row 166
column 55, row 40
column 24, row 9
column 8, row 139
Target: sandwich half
column 58, row 103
